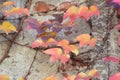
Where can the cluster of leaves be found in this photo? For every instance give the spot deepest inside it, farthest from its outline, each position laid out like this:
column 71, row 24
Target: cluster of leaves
column 60, row 50
column 82, row 12
column 6, row 25
column 64, row 47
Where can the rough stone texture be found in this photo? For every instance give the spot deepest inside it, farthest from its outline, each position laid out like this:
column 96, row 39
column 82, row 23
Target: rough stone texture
column 21, row 57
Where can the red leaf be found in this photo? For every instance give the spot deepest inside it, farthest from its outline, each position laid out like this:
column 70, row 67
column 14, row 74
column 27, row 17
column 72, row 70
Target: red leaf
column 111, row 58
column 115, row 76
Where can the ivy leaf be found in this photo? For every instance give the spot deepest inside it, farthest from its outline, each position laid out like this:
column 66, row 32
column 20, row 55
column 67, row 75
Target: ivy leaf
column 84, row 12
column 116, row 1
column 7, row 27
column 92, row 42
column 51, row 78
column 46, row 35
column 4, row 77
column 114, row 4
column 115, row 76
column 38, row 43
column 9, row 3
column 85, row 39
column 57, row 54
column 111, row 58
column 93, row 73
column 72, row 77
column 71, row 13
column 18, row 11
column 94, row 10
column 41, row 6
column 20, row 79
column 82, row 76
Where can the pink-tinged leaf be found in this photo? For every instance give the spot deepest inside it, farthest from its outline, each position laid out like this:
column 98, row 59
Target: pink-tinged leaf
column 9, row 3
column 64, row 58
column 111, row 58
column 119, row 40
column 82, row 76
column 93, row 73
column 18, row 11
column 38, row 43
column 57, row 54
column 94, row 10
column 51, row 78
column 65, row 45
column 92, row 42
column 115, row 76
column 84, row 12
column 118, row 26
column 71, row 13
column 116, row 1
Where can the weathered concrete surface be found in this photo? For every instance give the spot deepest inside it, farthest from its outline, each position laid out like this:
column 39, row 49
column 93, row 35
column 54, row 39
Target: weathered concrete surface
column 21, row 57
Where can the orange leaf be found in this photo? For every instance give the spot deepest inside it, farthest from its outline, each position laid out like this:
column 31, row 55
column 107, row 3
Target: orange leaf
column 92, row 42
column 93, row 73
column 72, row 77
column 51, row 78
column 94, row 10
column 82, row 75
column 83, row 39
column 4, row 77
column 71, row 13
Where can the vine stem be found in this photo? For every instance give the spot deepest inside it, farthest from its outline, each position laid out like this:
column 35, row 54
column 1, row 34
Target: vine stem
column 28, row 72
column 9, row 45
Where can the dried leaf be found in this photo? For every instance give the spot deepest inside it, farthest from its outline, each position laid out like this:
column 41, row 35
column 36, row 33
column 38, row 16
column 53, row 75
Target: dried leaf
column 41, row 6
column 64, row 6
column 51, row 7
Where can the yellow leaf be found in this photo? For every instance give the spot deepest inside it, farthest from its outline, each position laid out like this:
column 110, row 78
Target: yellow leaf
column 8, row 3
column 93, row 73
column 7, row 27
column 20, row 79
column 74, row 49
